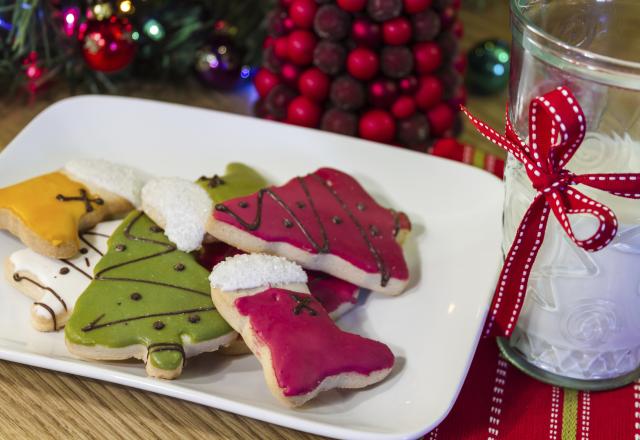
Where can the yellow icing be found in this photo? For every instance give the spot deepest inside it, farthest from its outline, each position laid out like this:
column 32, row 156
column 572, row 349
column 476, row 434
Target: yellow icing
column 34, row 202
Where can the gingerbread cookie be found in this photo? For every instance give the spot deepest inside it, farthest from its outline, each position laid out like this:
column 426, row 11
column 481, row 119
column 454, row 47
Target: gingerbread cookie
column 182, row 207
column 55, row 285
column 325, row 221
column 301, row 350
column 46, row 212
column 148, row 300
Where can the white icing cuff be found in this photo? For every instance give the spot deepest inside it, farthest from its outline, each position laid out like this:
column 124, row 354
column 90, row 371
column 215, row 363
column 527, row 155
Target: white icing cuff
column 119, row 179
column 181, row 207
column 248, row 271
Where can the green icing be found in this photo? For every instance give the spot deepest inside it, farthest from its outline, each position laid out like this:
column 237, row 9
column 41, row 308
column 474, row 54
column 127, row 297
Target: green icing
column 238, row 180
column 139, row 296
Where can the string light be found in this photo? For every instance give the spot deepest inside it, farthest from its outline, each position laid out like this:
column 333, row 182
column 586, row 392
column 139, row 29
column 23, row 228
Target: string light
column 154, row 30
column 126, row 7
column 71, row 16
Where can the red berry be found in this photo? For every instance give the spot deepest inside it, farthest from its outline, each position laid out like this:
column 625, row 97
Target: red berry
column 301, row 45
column 314, row 84
column 362, row 63
column 270, row 60
column 403, row 107
column 426, row 25
column 409, row 84
column 339, row 121
column 352, row 5
column 366, row 33
column 458, row 28
column 397, row 61
column 264, row 81
column 288, row 24
column 449, row 148
column 268, row 42
column 460, row 63
column 347, row 93
column 383, row 10
column 441, row 118
column 303, row 111
column 275, row 22
column 329, row 57
column 415, row 6
column 290, row 74
column 382, row 92
column 281, row 47
column 459, row 98
column 278, row 100
column 429, row 92
column 428, row 57
column 285, row 3
column 447, row 17
column 377, row 125
column 302, row 13
column 331, row 23
column 413, row 132
column 396, row 31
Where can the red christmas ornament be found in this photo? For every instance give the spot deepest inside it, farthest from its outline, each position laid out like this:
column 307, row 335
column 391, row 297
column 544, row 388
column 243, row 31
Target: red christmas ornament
column 281, row 47
column 429, row 92
column 314, row 84
column 300, row 47
column 415, row 6
column 302, row 13
column 366, row 33
column 441, row 119
column 264, row 81
column 362, row 63
column 396, row 31
column 304, row 112
column 352, row 5
column 107, row 45
column 382, row 93
column 403, row 107
column 290, row 74
column 377, row 125
column 427, row 56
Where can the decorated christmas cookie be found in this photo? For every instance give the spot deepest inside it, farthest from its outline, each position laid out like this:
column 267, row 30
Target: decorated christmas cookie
column 149, row 301
column 46, row 212
column 53, row 284
column 301, row 350
column 238, row 180
column 182, row 207
column 325, row 221
column 336, row 296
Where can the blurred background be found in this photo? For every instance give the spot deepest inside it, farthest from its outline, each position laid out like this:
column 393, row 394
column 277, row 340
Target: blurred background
column 394, row 71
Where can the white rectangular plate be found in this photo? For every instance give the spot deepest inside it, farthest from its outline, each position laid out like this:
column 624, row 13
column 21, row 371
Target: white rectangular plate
column 432, row 328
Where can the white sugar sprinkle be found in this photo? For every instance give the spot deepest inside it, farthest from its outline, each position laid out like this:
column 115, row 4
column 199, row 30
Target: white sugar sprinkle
column 248, row 271
column 119, row 179
column 182, row 206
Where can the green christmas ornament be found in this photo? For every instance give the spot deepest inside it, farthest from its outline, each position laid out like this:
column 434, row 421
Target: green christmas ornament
column 488, row 67
column 148, row 300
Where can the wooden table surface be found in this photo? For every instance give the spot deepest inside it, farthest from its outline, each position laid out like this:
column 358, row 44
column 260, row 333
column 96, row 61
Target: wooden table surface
column 38, row 403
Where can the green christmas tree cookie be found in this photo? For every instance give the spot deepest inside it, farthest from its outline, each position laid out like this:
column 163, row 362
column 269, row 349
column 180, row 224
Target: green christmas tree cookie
column 238, row 180
column 148, row 301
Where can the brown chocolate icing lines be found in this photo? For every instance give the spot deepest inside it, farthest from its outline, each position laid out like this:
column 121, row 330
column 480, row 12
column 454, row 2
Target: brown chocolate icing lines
column 168, row 248
column 166, row 346
column 84, row 197
column 302, row 304
column 213, row 181
column 51, row 312
column 17, row 277
column 96, row 324
column 324, row 246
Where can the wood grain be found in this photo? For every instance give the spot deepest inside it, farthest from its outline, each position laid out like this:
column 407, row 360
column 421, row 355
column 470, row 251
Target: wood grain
column 42, row 404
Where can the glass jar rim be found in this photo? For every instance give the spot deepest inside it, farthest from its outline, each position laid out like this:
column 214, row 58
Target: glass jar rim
column 603, row 61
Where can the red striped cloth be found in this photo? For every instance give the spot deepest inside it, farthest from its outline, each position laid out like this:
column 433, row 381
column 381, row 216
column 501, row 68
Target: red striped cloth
column 497, row 401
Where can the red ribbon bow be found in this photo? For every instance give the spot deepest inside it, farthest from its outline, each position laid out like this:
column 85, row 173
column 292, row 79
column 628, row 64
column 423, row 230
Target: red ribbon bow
column 556, row 130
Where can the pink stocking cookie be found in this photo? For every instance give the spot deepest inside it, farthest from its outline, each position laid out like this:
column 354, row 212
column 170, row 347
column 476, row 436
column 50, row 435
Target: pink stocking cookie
column 302, row 351
column 325, row 221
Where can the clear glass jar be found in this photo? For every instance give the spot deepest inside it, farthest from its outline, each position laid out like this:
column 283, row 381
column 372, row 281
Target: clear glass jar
column 580, row 323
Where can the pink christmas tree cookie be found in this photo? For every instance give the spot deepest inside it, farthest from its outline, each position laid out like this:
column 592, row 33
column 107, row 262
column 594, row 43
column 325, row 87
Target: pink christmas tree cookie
column 324, row 221
column 302, row 352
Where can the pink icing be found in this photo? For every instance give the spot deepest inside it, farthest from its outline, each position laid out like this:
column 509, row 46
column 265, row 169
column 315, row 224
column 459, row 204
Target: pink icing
column 331, row 292
column 306, row 348
column 345, row 238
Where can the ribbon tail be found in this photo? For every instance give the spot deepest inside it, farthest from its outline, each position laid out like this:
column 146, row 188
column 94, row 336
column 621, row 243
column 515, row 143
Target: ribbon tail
column 514, row 277
column 619, row 184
